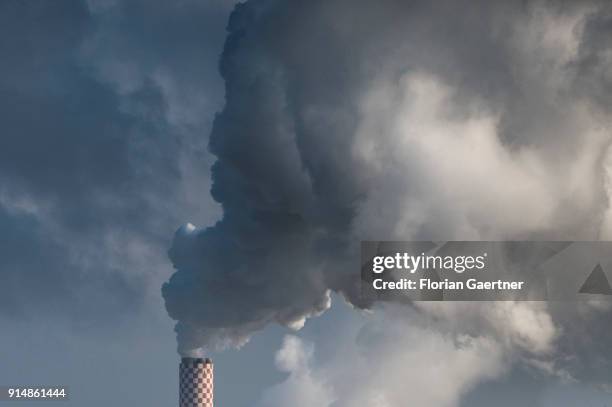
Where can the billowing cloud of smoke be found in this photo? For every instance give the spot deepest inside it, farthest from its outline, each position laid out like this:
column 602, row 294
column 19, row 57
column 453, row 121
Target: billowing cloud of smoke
column 395, row 356
column 398, row 354
column 395, row 120
column 302, row 387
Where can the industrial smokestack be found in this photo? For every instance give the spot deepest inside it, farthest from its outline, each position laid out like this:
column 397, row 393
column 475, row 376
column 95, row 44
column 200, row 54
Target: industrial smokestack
column 196, row 382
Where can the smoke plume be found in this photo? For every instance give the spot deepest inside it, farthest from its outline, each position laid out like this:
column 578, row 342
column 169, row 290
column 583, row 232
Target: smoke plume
column 355, row 120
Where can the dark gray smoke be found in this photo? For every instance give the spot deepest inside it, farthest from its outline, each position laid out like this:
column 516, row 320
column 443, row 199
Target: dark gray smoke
column 354, row 120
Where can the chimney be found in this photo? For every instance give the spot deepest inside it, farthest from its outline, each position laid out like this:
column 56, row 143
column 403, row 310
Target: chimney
column 196, row 382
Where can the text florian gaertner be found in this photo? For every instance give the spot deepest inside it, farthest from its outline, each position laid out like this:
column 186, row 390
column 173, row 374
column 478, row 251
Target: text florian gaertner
column 404, row 262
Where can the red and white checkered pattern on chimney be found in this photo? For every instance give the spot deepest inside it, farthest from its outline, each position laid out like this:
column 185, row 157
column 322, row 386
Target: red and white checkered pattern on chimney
column 196, row 382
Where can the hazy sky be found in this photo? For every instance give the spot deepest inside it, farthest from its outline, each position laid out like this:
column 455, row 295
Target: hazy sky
column 338, row 121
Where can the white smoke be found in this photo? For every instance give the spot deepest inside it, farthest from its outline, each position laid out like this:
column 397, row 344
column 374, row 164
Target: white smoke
column 389, row 358
column 303, row 388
